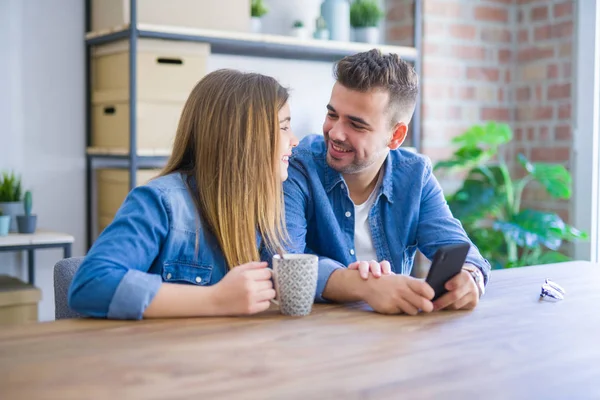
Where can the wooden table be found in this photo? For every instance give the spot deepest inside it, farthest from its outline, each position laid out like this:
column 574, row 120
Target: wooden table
column 41, row 239
column 512, row 346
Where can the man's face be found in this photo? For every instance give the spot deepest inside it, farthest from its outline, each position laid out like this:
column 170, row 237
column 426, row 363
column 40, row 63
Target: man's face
column 357, row 129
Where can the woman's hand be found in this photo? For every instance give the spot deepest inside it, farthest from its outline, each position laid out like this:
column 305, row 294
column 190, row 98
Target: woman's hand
column 377, row 269
column 246, row 289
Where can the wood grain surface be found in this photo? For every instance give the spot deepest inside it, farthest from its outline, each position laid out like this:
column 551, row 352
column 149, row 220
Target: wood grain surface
column 512, row 346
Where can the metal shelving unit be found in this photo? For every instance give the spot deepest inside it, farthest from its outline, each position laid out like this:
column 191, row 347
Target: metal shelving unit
column 255, row 45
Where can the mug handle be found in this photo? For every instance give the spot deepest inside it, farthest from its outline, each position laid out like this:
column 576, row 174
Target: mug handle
column 274, row 301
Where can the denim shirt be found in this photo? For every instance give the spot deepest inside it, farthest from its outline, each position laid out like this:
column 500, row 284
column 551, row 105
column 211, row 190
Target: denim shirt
column 151, row 240
column 409, row 212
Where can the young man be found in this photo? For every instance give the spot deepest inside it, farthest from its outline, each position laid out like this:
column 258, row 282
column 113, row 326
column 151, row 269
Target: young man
column 362, row 204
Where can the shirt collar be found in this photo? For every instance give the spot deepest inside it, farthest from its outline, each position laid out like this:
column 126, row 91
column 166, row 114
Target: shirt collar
column 333, row 178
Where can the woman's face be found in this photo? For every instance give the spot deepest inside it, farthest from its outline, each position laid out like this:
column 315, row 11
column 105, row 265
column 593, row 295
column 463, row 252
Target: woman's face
column 287, row 140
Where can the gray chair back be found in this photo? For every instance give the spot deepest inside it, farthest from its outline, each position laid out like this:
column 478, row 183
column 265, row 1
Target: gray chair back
column 64, row 270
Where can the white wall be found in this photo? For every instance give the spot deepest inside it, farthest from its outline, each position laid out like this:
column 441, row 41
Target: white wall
column 42, row 126
column 310, row 84
column 586, row 207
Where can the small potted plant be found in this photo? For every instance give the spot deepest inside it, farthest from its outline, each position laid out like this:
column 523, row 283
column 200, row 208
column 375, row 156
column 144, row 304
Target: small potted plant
column 257, row 10
column 364, row 18
column 27, row 223
column 298, row 30
column 321, row 31
column 4, row 223
column 10, row 197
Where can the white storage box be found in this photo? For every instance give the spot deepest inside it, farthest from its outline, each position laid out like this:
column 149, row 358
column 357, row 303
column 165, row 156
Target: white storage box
column 227, row 15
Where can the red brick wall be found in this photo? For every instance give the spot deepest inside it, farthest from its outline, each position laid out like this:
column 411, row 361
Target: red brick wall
column 503, row 60
column 543, row 88
column 399, row 22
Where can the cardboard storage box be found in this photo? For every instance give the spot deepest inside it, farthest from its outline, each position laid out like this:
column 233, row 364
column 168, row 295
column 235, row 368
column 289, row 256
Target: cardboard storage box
column 156, row 125
column 18, row 301
column 227, row 15
column 167, row 71
column 113, row 187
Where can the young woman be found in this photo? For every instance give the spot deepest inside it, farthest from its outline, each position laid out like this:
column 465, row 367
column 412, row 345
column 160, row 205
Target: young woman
column 187, row 243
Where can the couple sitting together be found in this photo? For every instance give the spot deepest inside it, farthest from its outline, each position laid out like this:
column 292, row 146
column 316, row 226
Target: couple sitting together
column 238, row 187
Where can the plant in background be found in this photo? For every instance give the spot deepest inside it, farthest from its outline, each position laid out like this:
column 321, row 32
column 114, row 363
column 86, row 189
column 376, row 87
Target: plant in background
column 10, row 187
column 298, row 24
column 1, row 213
column 321, row 24
column 258, row 8
column 489, row 202
column 365, row 13
column 27, row 203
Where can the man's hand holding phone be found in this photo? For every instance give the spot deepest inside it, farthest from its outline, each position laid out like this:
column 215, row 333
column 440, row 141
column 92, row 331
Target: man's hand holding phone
column 396, row 294
column 463, row 293
column 448, row 285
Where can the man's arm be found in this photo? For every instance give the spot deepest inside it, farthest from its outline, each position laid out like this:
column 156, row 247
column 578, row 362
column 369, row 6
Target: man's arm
column 437, row 227
column 297, row 207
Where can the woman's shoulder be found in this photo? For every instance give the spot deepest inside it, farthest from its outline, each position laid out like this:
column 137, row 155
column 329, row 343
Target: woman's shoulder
column 174, row 181
column 169, row 191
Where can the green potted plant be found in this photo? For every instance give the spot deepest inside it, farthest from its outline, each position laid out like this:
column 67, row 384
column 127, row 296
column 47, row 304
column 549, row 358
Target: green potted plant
column 299, row 30
column 27, row 223
column 489, row 202
column 364, row 19
column 10, row 197
column 4, row 223
column 257, row 10
column 321, row 31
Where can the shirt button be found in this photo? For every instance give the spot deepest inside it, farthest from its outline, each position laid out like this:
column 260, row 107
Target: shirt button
column 352, row 251
column 343, row 186
column 198, row 279
column 169, row 275
column 348, row 214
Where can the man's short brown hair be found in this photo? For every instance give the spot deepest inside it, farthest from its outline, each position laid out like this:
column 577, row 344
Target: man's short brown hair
column 370, row 70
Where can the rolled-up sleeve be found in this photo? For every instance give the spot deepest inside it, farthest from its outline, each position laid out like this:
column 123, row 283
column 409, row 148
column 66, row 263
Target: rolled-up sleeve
column 326, row 267
column 113, row 280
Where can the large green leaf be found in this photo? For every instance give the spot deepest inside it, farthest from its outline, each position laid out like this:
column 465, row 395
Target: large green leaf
column 477, row 145
column 554, row 177
column 491, row 245
column 551, row 257
column 491, row 134
column 476, row 199
column 532, row 228
column 465, row 157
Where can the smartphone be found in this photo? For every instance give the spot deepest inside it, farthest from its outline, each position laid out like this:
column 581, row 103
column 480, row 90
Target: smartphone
column 447, row 263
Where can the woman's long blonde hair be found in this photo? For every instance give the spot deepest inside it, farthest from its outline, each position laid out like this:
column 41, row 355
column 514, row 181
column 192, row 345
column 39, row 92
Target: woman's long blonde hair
column 228, row 140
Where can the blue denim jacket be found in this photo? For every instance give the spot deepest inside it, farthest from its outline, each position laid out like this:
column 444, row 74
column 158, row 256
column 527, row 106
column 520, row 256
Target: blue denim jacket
column 410, row 212
column 151, row 240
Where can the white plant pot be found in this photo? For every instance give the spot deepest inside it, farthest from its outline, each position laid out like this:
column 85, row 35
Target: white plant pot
column 13, row 209
column 283, row 13
column 301, row 33
column 367, row 35
column 321, row 34
column 255, row 25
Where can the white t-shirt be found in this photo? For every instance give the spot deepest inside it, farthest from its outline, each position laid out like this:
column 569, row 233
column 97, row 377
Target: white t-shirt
column 363, row 241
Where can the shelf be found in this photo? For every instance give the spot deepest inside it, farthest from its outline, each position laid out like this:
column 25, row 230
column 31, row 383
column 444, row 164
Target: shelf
column 119, row 158
column 110, row 151
column 252, row 44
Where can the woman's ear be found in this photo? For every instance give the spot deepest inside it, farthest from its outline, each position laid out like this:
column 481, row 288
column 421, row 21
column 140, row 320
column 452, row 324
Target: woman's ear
column 398, row 135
